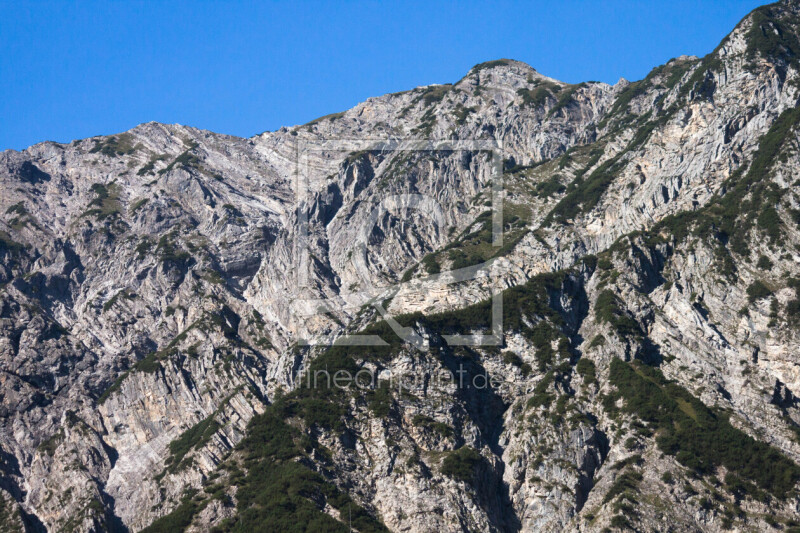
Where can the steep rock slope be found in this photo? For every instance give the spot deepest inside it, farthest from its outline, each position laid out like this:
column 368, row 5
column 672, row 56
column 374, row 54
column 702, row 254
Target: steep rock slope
column 158, row 287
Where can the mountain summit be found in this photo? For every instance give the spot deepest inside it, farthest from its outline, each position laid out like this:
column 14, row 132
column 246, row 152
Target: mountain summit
column 586, row 300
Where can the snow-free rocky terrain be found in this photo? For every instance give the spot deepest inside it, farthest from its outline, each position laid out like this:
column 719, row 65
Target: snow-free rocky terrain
column 162, row 291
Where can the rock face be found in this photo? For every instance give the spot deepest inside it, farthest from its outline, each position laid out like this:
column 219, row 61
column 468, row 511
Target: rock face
column 167, row 296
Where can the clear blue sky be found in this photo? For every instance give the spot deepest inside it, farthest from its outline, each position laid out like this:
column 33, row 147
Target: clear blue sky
column 70, row 70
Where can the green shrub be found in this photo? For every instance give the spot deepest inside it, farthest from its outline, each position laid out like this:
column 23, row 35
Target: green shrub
column 49, row 445
column 186, row 160
column 607, row 310
column 18, row 209
column 764, row 263
column 380, row 400
column 281, row 491
column 537, row 97
column 105, row 204
column 331, row 117
column 114, row 146
column 178, row 520
column 426, row 123
column 598, row 340
column 462, row 113
column 628, row 481
column 321, row 412
column 605, row 263
column 620, row 522
column 550, row 187
column 429, row 423
column 510, row 358
column 489, row 64
column 461, row 259
column 475, row 246
column 135, row 206
column 586, row 369
column 565, row 98
column 408, row 274
column 431, row 264
column 793, row 309
column 193, row 438
column 435, row 94
column 149, row 364
column 147, row 168
column 10, row 518
column 143, row 248
column 461, row 464
column 8, row 244
column 113, row 300
column 150, row 165
column 214, row 277
column 633, row 460
column 757, row 290
column 541, row 398
column 769, row 221
column 285, row 494
column 114, row 387
column 169, row 252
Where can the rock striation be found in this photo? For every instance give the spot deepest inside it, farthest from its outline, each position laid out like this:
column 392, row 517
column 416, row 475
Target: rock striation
column 166, row 293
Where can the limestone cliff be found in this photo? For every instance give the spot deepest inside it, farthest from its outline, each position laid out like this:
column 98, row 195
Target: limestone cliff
column 165, row 291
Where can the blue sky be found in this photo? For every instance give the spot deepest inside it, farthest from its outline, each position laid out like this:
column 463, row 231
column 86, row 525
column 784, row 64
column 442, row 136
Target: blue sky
column 70, row 70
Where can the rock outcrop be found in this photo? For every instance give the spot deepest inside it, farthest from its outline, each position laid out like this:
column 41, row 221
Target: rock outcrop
column 167, row 295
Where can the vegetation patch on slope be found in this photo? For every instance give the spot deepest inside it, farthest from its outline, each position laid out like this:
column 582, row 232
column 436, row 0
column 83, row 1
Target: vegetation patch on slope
column 105, row 204
column 773, row 37
column 114, row 146
column 701, row 439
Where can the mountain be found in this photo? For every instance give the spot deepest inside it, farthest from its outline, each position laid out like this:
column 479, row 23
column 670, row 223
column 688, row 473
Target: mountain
column 167, row 295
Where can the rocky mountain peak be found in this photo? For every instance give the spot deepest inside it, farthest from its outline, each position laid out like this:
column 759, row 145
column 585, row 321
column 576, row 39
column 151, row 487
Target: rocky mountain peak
column 165, row 291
